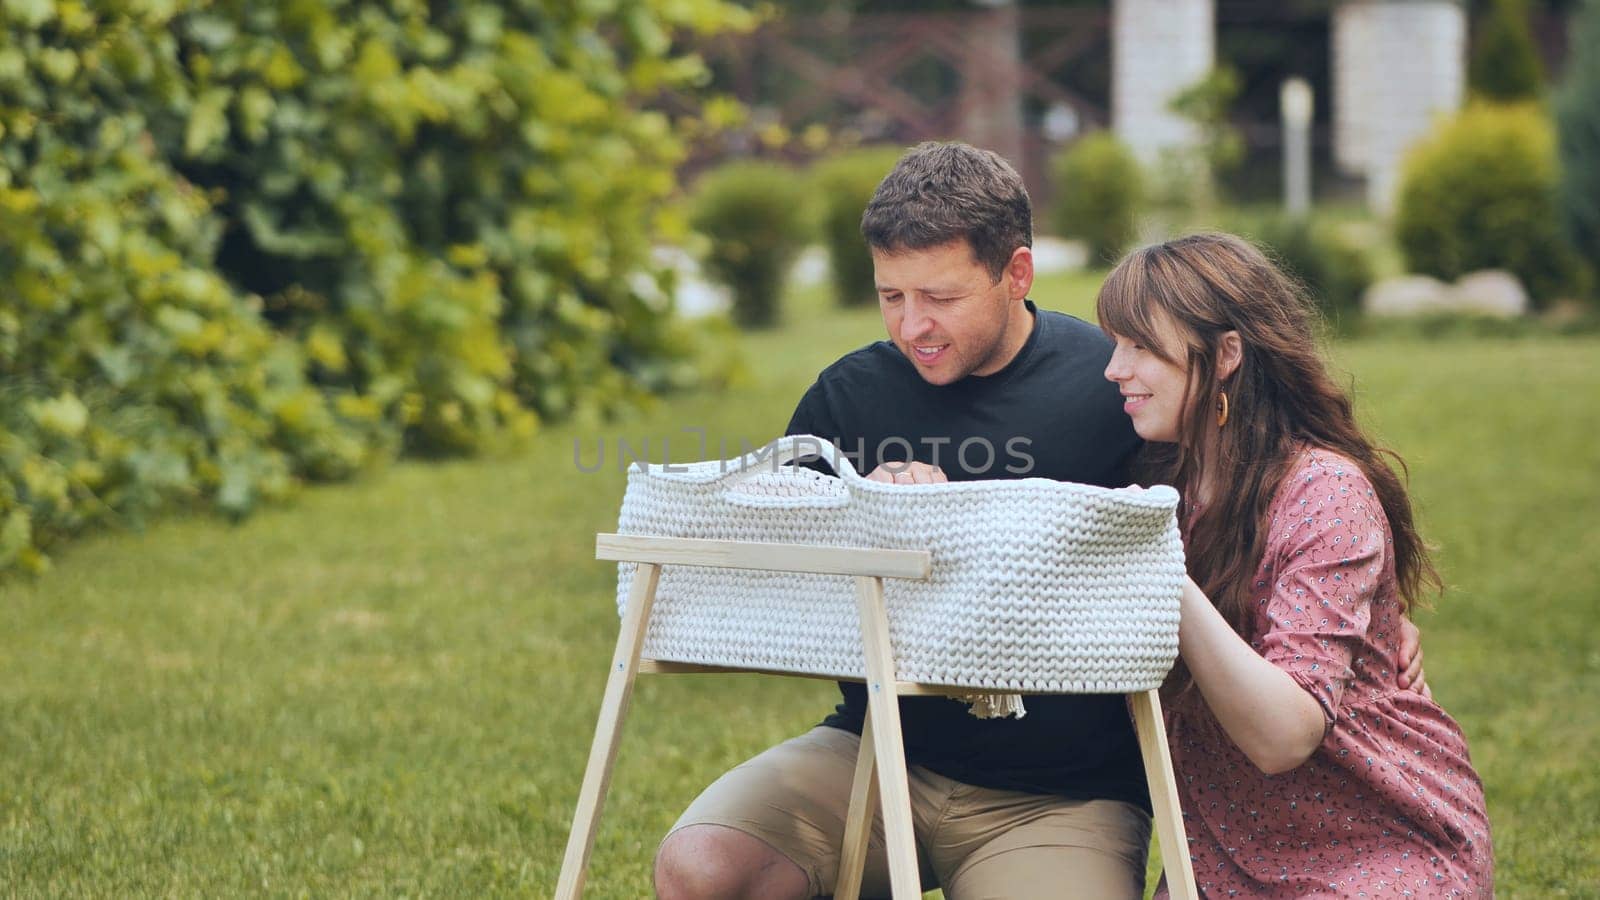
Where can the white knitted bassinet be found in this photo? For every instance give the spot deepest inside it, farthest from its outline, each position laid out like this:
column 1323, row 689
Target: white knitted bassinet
column 1037, row 586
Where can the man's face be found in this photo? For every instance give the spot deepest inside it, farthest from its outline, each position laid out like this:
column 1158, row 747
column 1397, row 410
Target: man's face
column 948, row 315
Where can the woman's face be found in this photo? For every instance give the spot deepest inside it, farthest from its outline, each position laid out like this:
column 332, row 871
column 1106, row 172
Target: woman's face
column 1153, row 390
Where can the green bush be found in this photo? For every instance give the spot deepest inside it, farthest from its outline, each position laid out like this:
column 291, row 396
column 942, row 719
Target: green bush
column 1186, row 177
column 455, row 202
column 843, row 186
column 1479, row 193
column 246, row 244
column 1578, row 127
column 1505, row 63
column 1099, row 191
column 753, row 214
column 132, row 376
column 1332, row 267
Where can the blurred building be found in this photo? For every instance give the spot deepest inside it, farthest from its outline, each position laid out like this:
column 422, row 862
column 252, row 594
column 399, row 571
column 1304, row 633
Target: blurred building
column 1396, row 65
column 1028, row 77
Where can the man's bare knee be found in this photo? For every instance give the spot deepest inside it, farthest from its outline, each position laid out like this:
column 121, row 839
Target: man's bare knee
column 712, row 862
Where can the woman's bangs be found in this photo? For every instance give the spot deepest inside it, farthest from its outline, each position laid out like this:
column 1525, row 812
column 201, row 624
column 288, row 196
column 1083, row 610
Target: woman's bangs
column 1125, row 303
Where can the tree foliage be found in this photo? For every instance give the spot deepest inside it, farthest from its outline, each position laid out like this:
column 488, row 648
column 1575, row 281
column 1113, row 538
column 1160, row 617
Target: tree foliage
column 1578, row 137
column 1505, row 63
column 244, row 244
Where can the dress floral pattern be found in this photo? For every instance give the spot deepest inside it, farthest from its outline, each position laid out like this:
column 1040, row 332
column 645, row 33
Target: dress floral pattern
column 1388, row 805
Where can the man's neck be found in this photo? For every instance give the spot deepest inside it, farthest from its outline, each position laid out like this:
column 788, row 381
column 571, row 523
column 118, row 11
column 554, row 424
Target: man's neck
column 1020, row 323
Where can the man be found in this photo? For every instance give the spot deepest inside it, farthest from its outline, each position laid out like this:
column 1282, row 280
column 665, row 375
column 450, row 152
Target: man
column 974, row 382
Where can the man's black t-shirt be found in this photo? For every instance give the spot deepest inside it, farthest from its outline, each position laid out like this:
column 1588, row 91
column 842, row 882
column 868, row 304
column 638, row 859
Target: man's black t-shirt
column 1050, row 413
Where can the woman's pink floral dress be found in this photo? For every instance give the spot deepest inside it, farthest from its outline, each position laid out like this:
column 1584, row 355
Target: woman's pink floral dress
column 1388, row 805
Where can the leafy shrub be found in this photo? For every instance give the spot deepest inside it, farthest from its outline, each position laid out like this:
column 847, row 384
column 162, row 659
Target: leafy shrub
column 1186, row 176
column 245, row 244
column 1505, row 63
column 752, row 212
column 1578, row 127
column 1099, row 191
column 132, row 376
column 843, row 187
column 1332, row 267
column 1479, row 193
column 454, row 202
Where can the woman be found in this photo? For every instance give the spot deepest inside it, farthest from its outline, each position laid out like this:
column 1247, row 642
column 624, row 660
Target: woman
column 1303, row 768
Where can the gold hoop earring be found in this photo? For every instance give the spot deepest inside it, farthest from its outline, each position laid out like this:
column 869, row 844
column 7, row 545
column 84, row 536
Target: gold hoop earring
column 1222, row 408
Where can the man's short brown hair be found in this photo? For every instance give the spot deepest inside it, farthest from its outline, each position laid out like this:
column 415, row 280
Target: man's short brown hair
column 941, row 192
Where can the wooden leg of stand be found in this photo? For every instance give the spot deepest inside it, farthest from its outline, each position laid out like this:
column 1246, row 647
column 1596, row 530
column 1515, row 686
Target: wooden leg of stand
column 888, row 745
column 1163, row 795
column 608, row 731
column 858, row 824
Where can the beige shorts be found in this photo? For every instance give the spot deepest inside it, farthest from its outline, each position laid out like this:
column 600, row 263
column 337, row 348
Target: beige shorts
column 976, row 843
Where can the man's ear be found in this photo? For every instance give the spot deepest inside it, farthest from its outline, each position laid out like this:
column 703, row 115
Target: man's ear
column 1230, row 353
column 1018, row 274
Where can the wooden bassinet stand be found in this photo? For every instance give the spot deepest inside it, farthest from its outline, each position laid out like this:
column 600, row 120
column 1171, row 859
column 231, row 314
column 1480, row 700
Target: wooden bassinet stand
column 880, row 776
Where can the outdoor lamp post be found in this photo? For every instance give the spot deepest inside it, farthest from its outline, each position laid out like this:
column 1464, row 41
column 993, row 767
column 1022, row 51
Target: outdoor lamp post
column 1295, row 104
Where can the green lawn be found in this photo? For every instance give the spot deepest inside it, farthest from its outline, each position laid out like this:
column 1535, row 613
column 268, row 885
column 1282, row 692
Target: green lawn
column 389, row 688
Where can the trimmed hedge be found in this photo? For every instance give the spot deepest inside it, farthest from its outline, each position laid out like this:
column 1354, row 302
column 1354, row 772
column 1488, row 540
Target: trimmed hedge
column 844, row 185
column 1480, row 193
column 1334, row 269
column 245, row 244
column 754, row 216
column 1099, row 192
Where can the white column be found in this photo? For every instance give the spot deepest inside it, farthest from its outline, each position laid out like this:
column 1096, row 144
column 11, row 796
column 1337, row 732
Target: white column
column 1399, row 65
column 1353, row 74
column 1158, row 48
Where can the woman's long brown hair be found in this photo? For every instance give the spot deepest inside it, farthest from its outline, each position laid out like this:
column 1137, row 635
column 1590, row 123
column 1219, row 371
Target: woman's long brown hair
column 1280, row 398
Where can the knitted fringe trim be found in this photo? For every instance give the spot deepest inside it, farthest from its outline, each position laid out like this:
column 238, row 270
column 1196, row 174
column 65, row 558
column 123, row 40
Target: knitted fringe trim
column 994, row 706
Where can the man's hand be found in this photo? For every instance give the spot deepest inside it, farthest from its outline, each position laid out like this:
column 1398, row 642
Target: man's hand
column 1411, row 659
column 908, row 473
